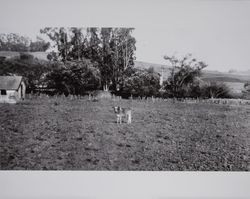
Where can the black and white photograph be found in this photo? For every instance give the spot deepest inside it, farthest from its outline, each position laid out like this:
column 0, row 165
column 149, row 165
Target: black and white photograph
column 124, row 99
column 173, row 95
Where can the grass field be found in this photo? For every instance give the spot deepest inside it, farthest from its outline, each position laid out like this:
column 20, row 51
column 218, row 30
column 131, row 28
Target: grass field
column 235, row 87
column 50, row 133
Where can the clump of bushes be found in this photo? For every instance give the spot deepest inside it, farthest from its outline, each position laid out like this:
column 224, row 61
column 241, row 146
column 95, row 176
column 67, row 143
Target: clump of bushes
column 32, row 69
column 141, row 83
column 185, row 80
column 202, row 90
column 74, row 77
column 215, row 90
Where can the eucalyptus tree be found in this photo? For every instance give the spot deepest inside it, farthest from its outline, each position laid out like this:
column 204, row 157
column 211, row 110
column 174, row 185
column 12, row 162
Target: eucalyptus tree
column 111, row 49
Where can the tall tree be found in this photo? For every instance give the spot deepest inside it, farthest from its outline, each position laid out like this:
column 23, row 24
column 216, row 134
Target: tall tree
column 77, row 42
column 118, row 54
column 112, row 48
column 74, row 77
column 183, row 74
column 106, row 62
column 60, row 36
column 33, row 70
column 142, row 83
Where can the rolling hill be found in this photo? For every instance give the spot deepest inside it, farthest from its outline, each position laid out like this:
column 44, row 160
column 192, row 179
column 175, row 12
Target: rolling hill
column 12, row 54
column 207, row 75
column 234, row 80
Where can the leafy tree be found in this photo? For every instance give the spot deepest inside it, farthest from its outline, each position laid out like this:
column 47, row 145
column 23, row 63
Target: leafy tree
column 247, row 86
column 52, row 56
column 60, row 36
column 112, row 48
column 215, row 90
column 117, row 55
column 74, row 77
column 27, row 66
column 107, row 62
column 142, row 83
column 92, row 41
column 126, row 49
column 78, row 44
column 183, row 74
column 16, row 42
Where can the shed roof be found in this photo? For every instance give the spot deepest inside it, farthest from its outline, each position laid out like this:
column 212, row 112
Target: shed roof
column 10, row 82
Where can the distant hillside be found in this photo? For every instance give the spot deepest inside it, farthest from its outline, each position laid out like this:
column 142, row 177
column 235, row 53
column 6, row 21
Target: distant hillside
column 144, row 65
column 234, row 80
column 207, row 75
column 11, row 54
column 159, row 68
column 225, row 77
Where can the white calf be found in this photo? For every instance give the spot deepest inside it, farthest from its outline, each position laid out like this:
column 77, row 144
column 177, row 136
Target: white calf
column 120, row 112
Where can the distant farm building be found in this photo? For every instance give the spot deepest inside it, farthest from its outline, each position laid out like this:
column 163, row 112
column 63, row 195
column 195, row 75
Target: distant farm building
column 12, row 89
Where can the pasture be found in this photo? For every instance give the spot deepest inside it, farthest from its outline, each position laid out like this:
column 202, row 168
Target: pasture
column 78, row 134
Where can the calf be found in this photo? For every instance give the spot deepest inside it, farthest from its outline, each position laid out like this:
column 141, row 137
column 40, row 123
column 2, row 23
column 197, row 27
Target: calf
column 120, row 112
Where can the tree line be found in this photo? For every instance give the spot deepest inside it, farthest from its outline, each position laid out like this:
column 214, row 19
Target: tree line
column 19, row 43
column 110, row 50
column 86, row 59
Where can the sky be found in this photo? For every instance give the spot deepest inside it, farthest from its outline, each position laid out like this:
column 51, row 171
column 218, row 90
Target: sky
column 216, row 32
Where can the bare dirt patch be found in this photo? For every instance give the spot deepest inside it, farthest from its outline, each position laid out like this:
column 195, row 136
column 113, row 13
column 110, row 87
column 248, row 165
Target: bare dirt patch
column 54, row 134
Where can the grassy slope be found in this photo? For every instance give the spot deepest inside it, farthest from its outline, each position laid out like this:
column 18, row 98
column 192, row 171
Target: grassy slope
column 206, row 75
column 226, row 77
column 78, row 134
column 235, row 81
column 10, row 54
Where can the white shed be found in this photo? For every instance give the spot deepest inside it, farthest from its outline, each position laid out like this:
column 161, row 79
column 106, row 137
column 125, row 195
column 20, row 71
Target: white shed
column 12, row 89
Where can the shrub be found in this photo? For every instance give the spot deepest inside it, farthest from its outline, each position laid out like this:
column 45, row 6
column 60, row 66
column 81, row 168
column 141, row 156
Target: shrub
column 183, row 74
column 215, row 90
column 141, row 83
column 27, row 66
column 74, row 77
